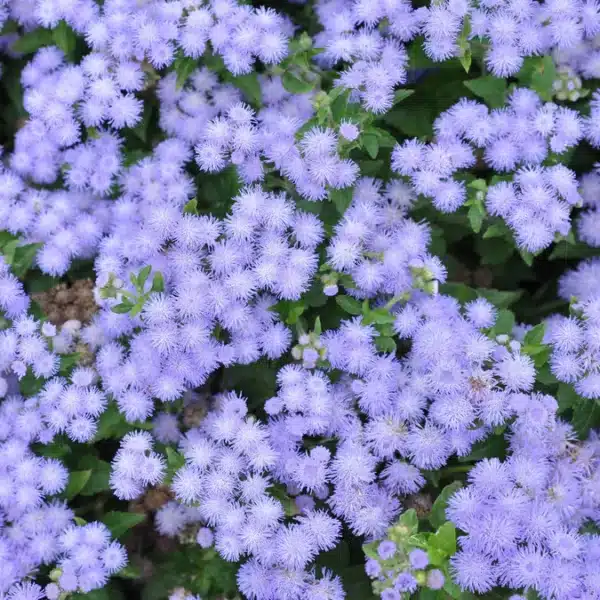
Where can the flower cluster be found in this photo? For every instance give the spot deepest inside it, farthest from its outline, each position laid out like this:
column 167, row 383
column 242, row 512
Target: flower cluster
column 301, row 292
column 522, row 516
column 517, row 139
column 575, row 357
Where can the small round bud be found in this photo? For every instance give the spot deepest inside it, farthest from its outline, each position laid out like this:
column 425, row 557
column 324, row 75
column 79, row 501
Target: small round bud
column 52, row 591
column 48, row 329
column 331, row 290
column 435, row 579
column 514, row 345
column 349, row 131
column 310, row 355
column 71, row 326
column 205, row 537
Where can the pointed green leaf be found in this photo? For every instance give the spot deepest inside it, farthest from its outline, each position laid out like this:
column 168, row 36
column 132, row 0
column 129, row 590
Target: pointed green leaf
column 143, row 276
column 24, row 257
column 250, row 87
column 349, row 304
column 295, row 85
column 403, row 94
column 341, row 198
column 77, row 481
column 32, row 41
column 191, row 207
column 504, row 322
column 370, row 144
column 385, row 344
column 158, row 283
column 122, row 308
column 491, row 89
column 120, row 523
column 65, row 38
column 438, row 511
column 535, row 336
column 184, row 66
column 445, row 538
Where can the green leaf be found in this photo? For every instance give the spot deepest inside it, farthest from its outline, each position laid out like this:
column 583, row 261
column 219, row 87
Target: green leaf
column 175, row 460
column 491, row 89
column 493, row 446
column 57, row 449
column 410, row 521
column 341, row 198
column 30, row 385
column 567, row 397
column 143, row 276
column 381, row 316
column 293, row 84
column 349, row 304
column 6, row 237
column 9, row 249
column 385, row 344
column 412, row 121
column 402, row 94
column 527, row 257
column 535, row 336
column 250, row 87
column 295, row 312
column 23, row 258
column 68, row 362
column 565, row 251
column 504, row 322
column 384, row 138
column 184, row 66
column 478, row 184
column 158, row 283
column 438, row 511
column 495, row 251
column 463, row 293
column 112, row 424
column 122, row 308
column 500, row 298
column 77, row 481
column 497, row 230
column 370, row 144
column 121, row 522
column 65, row 38
column 141, row 129
column 586, row 416
column 453, row 591
column 137, row 307
column 129, row 572
column 318, row 328
column 339, row 105
column 32, row 41
column 539, row 73
column 476, row 215
column 546, row 377
column 99, row 478
column 445, row 538
column 427, row 594
column 466, row 59
column 191, row 207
